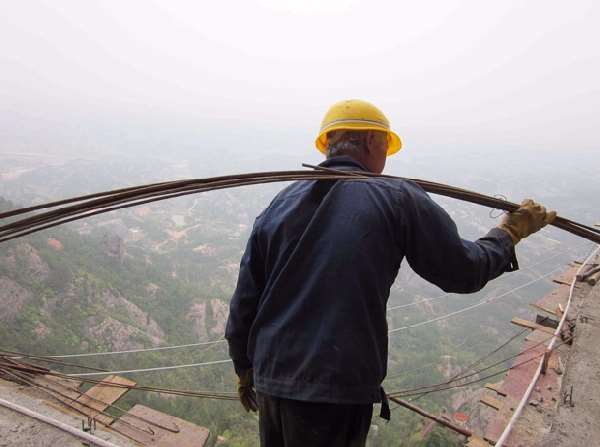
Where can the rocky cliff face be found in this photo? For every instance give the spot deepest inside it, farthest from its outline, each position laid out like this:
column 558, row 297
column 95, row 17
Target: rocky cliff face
column 112, row 319
column 197, row 315
column 220, row 311
column 114, row 333
column 24, row 256
column 66, row 299
column 209, row 327
column 143, row 324
column 92, row 286
column 113, row 246
column 12, row 299
column 25, row 260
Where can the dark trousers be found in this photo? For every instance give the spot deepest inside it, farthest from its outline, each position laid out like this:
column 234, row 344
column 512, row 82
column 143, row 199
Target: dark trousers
column 293, row 423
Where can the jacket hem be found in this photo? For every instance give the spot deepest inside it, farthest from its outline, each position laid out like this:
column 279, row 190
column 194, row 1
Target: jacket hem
column 318, row 392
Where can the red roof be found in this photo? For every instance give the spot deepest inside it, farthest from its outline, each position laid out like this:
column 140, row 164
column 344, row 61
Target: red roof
column 55, row 244
column 460, row 417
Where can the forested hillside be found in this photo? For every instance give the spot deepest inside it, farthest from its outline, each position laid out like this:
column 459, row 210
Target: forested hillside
column 162, row 274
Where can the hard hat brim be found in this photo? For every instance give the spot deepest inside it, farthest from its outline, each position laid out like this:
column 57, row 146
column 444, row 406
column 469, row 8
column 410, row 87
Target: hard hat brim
column 394, row 141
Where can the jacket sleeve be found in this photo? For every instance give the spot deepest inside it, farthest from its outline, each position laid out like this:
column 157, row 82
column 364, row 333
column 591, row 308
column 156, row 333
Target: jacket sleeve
column 437, row 253
column 244, row 303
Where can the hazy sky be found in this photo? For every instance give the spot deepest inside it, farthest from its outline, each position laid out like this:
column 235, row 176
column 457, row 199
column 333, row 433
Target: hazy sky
column 472, row 74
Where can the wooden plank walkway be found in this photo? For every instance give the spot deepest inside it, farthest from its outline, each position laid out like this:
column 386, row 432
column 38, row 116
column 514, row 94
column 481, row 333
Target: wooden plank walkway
column 91, row 403
column 507, row 394
column 138, row 424
column 187, row 435
column 100, row 397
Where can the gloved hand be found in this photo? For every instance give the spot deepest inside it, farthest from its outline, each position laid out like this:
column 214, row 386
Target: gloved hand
column 527, row 219
column 246, row 390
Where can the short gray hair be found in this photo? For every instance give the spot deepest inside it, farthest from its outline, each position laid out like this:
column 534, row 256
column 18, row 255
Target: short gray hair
column 346, row 142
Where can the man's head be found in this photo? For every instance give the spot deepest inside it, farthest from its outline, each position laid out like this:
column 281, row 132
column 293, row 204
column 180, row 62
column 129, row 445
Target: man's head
column 368, row 147
column 359, row 129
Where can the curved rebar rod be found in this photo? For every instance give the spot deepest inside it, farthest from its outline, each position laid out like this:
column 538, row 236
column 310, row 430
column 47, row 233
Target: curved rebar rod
column 93, row 204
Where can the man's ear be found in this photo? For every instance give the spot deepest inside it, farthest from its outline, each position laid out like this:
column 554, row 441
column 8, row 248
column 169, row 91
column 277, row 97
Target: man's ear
column 369, row 139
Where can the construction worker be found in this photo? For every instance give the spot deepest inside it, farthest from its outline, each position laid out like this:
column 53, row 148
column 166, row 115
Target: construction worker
column 307, row 325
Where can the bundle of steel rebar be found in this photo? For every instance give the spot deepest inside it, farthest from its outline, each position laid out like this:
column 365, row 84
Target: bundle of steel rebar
column 8, row 363
column 68, row 210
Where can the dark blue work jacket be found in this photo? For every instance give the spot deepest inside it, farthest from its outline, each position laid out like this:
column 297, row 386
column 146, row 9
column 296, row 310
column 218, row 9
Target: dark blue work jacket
column 309, row 310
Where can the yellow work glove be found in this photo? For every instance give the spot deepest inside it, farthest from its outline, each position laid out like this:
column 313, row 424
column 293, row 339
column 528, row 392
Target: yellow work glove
column 246, row 390
column 527, row 219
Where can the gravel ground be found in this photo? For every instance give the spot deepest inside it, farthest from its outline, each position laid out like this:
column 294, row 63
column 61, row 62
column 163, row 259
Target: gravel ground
column 579, row 424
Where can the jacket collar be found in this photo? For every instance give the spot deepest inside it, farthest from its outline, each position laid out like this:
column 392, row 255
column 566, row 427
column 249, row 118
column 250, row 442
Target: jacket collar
column 343, row 162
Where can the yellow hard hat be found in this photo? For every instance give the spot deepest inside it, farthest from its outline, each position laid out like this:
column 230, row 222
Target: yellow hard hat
column 355, row 114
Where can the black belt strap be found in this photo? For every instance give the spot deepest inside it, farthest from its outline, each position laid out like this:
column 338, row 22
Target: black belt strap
column 385, row 406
